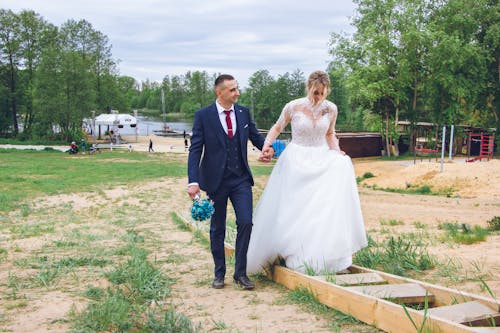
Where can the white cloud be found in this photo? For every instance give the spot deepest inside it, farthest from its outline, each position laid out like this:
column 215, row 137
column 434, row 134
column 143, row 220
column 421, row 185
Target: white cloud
column 154, row 38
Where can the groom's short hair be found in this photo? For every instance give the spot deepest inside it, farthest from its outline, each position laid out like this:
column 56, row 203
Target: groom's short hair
column 221, row 78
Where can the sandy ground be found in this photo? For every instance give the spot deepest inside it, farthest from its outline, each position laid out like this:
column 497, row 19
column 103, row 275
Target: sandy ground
column 475, row 199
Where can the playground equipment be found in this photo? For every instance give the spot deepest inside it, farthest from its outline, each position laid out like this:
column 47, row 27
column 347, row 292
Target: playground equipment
column 486, row 146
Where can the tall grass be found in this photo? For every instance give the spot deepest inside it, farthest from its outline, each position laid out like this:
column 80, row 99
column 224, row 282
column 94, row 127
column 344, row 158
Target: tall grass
column 463, row 233
column 395, row 255
column 126, row 304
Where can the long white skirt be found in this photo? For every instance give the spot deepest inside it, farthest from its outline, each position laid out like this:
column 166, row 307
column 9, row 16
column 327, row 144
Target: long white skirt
column 309, row 213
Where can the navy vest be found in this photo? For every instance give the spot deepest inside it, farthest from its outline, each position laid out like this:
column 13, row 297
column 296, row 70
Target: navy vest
column 234, row 163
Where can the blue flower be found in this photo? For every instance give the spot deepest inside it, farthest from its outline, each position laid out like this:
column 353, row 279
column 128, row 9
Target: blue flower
column 202, row 209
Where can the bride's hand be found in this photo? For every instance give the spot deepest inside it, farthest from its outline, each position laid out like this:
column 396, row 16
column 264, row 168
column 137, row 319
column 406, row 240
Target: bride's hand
column 266, row 154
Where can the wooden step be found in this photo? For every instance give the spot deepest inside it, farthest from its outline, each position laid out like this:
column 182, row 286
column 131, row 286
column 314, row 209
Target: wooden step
column 487, row 321
column 485, row 329
column 463, row 312
column 402, row 293
column 353, row 279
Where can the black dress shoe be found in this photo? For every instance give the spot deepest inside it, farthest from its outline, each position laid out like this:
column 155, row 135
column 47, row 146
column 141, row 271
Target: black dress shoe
column 244, row 282
column 218, row 283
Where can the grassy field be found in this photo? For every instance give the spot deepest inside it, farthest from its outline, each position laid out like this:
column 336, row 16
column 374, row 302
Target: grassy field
column 25, row 175
column 108, row 264
column 98, row 258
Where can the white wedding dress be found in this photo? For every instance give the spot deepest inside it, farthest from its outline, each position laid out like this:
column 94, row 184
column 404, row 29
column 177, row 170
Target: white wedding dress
column 309, row 213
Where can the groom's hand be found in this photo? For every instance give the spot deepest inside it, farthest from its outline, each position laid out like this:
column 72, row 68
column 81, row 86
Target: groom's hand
column 266, row 154
column 193, row 190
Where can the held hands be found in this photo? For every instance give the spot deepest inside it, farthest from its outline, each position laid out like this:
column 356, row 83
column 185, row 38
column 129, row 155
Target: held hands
column 267, row 154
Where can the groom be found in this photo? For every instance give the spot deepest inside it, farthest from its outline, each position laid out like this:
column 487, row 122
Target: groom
column 218, row 164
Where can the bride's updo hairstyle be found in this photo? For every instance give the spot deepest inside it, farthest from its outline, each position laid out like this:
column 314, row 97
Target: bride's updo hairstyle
column 315, row 79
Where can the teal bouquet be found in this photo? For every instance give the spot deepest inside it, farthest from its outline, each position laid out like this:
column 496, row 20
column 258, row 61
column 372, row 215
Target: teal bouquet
column 202, row 209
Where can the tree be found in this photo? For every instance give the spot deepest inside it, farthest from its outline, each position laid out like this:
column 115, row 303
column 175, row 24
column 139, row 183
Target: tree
column 260, row 89
column 34, row 31
column 10, row 58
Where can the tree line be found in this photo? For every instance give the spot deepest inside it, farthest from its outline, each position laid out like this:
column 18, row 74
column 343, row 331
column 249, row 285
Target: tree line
column 423, row 60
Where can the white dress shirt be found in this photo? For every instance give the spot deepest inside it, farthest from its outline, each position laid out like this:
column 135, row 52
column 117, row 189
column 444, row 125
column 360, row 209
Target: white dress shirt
column 222, row 117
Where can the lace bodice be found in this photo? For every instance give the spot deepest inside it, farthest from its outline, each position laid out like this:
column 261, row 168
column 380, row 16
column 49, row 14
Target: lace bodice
column 310, row 124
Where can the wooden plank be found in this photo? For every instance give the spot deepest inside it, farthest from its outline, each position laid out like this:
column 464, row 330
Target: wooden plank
column 486, row 329
column 463, row 312
column 388, row 316
column 353, row 279
column 487, row 321
column 402, row 293
column 442, row 296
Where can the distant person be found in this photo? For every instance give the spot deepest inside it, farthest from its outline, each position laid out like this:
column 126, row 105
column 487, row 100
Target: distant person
column 73, row 148
column 186, row 146
column 130, row 148
column 150, row 149
column 83, row 145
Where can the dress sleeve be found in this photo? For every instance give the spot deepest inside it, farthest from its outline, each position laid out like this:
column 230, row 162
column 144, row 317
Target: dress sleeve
column 331, row 135
column 280, row 124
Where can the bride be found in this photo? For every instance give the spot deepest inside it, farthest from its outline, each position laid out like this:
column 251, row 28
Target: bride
column 309, row 213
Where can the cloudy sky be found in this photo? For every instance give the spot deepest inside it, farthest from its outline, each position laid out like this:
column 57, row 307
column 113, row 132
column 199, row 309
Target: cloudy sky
column 154, row 38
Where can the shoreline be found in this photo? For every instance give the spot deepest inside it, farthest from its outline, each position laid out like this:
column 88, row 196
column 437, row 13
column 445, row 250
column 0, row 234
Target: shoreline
column 140, row 143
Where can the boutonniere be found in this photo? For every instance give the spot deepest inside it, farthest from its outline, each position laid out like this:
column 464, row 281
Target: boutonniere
column 325, row 111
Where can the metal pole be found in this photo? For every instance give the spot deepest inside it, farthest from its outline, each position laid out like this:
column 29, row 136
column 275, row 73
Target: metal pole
column 136, row 124
column 93, row 127
column 163, row 110
column 442, row 147
column 450, row 157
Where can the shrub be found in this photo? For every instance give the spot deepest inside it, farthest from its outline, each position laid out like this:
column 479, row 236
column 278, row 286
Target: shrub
column 494, row 223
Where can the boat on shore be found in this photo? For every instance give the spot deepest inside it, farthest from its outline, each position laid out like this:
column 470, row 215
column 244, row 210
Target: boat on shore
column 166, row 130
column 169, row 132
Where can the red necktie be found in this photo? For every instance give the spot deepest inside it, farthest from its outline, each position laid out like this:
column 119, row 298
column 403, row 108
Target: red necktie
column 229, row 124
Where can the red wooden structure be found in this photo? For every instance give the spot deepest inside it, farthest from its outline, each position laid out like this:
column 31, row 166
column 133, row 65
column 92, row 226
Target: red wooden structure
column 487, row 143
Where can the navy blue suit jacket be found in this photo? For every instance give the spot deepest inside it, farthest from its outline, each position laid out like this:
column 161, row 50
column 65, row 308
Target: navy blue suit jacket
column 208, row 153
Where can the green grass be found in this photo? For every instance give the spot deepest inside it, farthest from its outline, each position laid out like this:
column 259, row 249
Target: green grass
column 391, row 222
column 397, row 256
column 464, row 233
column 24, row 175
column 494, row 223
column 336, row 319
column 366, row 175
column 125, row 305
column 40, row 142
column 3, row 254
column 416, row 189
column 82, row 245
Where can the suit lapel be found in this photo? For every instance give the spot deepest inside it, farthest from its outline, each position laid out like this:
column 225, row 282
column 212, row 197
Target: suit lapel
column 239, row 121
column 213, row 116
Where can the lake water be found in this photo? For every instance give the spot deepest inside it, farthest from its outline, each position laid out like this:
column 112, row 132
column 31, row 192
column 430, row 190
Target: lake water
column 147, row 126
